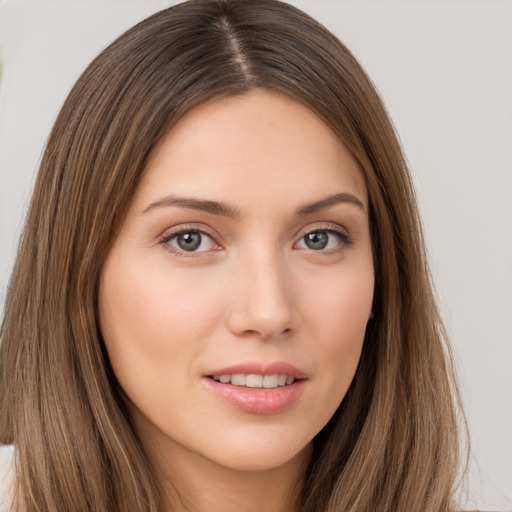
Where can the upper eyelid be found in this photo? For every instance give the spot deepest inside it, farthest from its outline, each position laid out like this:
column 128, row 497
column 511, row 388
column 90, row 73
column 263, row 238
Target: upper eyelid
column 172, row 232
column 323, row 226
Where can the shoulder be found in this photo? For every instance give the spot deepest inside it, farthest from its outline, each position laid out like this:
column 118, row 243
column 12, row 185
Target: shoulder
column 6, row 477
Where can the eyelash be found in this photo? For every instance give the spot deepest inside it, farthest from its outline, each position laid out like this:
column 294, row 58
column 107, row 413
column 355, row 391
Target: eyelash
column 332, row 229
column 166, row 239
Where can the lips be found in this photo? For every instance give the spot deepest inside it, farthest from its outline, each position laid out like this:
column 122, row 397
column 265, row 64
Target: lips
column 257, row 388
column 255, row 381
column 257, row 368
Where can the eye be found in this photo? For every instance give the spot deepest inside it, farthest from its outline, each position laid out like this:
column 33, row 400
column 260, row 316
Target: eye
column 190, row 241
column 322, row 239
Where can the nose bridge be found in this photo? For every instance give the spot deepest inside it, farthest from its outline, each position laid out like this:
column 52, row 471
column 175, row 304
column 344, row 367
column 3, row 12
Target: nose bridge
column 263, row 302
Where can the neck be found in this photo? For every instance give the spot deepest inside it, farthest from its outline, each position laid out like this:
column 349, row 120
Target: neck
column 195, row 484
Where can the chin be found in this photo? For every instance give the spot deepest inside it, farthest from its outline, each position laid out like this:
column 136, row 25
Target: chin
column 259, row 455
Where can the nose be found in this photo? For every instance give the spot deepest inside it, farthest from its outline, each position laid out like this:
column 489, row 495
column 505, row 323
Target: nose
column 262, row 303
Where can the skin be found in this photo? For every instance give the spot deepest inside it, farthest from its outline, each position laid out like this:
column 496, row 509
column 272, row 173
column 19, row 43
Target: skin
column 253, row 291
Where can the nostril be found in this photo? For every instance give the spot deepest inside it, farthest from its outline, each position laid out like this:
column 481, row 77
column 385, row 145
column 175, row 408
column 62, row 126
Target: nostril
column 261, row 319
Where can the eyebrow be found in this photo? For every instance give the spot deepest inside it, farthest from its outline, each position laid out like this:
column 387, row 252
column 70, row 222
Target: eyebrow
column 224, row 210
column 323, row 204
column 214, row 207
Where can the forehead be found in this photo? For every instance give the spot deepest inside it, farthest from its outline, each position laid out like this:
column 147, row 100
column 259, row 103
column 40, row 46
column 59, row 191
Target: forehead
column 248, row 148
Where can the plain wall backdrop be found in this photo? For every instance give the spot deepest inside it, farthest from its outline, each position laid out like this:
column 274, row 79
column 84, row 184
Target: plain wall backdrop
column 444, row 69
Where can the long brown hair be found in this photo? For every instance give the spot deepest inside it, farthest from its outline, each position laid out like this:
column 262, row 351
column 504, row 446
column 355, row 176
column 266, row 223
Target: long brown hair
column 391, row 446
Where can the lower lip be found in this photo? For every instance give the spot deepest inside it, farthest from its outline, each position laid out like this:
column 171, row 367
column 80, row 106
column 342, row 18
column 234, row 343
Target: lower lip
column 264, row 401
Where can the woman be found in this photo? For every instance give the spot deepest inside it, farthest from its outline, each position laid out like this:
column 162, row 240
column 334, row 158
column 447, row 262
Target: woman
column 221, row 298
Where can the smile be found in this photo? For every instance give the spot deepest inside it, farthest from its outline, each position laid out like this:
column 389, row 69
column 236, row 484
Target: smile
column 257, row 387
column 255, row 381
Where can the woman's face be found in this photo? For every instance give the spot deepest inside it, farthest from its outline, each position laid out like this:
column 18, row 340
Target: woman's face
column 235, row 298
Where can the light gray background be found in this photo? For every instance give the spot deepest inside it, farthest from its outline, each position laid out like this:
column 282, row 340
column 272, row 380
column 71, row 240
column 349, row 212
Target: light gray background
column 444, row 69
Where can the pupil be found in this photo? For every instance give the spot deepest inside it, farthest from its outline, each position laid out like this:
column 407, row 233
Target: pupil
column 317, row 240
column 189, row 241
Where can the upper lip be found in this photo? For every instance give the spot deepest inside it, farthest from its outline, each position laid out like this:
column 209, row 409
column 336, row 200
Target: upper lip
column 260, row 368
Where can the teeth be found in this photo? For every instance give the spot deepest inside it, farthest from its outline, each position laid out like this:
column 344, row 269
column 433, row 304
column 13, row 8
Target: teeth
column 238, row 379
column 270, row 381
column 255, row 381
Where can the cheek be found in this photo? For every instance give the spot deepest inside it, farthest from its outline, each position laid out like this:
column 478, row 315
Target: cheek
column 347, row 313
column 340, row 302
column 339, row 315
column 156, row 316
